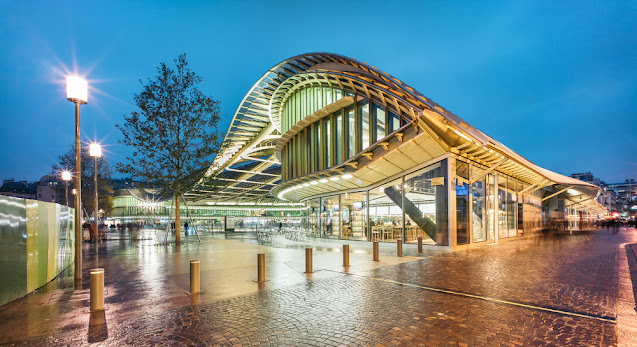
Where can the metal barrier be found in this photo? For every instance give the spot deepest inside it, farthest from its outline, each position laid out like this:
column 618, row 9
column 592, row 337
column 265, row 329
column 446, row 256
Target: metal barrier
column 261, row 267
column 194, row 277
column 346, row 255
column 97, row 290
column 308, row 260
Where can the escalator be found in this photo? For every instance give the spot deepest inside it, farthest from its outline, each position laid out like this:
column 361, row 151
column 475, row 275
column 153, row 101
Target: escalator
column 426, row 224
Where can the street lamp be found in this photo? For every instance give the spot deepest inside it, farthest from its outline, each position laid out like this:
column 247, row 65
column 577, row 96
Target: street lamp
column 66, row 177
column 95, row 151
column 77, row 93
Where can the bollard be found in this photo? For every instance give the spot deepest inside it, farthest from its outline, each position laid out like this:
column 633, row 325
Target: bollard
column 419, row 244
column 97, row 290
column 399, row 247
column 308, row 260
column 375, row 252
column 261, row 267
column 194, row 277
column 346, row 255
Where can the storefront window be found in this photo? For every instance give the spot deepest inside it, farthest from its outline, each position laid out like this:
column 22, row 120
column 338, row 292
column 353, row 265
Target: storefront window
column 512, row 208
column 426, row 205
column 478, row 193
column 462, row 202
column 385, row 212
column 354, row 216
column 502, row 208
column 328, row 142
column 330, row 221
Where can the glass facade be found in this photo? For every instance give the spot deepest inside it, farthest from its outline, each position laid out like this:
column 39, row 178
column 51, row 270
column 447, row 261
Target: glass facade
column 305, row 101
column 377, row 214
column 330, row 217
column 336, row 138
column 354, row 216
column 462, row 202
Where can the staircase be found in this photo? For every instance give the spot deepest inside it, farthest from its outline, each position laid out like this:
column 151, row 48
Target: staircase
column 412, row 211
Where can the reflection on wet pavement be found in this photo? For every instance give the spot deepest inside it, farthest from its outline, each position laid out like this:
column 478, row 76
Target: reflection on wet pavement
column 147, row 296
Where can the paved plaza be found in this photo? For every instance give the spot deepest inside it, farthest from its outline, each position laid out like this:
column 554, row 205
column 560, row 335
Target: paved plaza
column 552, row 290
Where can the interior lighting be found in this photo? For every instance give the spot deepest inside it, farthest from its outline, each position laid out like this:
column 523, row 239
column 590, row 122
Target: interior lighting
column 306, row 184
column 381, row 189
column 314, row 182
column 335, row 178
column 347, row 176
column 322, row 180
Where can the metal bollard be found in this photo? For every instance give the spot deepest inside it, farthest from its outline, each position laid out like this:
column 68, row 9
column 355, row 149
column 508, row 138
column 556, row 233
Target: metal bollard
column 346, row 255
column 375, row 251
column 97, row 290
column 194, row 277
column 308, row 260
column 399, row 247
column 419, row 244
column 261, row 267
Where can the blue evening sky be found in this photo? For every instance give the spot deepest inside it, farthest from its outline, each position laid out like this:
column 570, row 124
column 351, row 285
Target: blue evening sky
column 555, row 81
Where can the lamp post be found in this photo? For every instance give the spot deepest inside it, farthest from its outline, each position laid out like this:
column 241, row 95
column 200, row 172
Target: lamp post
column 66, row 177
column 95, row 151
column 77, row 93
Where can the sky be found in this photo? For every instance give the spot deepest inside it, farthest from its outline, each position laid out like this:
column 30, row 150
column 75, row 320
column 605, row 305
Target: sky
column 556, row 81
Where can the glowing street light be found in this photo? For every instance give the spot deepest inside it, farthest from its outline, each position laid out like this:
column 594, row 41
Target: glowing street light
column 77, row 93
column 66, row 177
column 95, row 150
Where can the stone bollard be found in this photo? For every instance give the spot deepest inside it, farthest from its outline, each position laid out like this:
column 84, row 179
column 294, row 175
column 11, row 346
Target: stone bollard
column 419, row 244
column 308, row 260
column 261, row 267
column 399, row 247
column 194, row 277
column 97, row 290
column 375, row 251
column 346, row 255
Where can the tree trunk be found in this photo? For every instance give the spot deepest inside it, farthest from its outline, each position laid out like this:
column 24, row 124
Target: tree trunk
column 177, row 219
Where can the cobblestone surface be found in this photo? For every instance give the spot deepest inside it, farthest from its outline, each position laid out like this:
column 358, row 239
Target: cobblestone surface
column 574, row 273
column 571, row 273
column 351, row 310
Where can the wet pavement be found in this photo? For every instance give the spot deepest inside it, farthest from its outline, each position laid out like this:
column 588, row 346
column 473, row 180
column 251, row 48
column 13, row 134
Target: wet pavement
column 550, row 290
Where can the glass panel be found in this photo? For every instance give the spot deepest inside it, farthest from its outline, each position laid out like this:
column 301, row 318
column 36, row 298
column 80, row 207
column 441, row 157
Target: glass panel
column 394, row 122
column 313, row 229
column 354, row 212
column 363, row 111
column 310, row 155
column 478, row 206
column 385, row 212
column 502, row 208
column 338, row 139
column 462, row 202
column 512, row 208
column 319, row 146
column 338, row 94
column 351, row 131
column 491, row 206
column 330, row 217
column 302, row 157
column 379, row 113
column 426, row 205
column 328, row 142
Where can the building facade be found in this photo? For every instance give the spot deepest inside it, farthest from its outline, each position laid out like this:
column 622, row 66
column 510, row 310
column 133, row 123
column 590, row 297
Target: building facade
column 372, row 159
